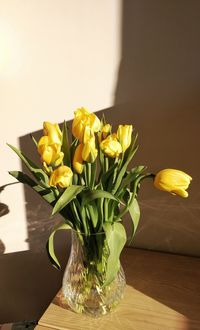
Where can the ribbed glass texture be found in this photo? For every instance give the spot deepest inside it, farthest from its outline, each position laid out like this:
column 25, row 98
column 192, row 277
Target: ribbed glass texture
column 83, row 286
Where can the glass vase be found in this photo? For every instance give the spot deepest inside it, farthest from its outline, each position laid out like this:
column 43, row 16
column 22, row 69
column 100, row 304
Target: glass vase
column 84, row 289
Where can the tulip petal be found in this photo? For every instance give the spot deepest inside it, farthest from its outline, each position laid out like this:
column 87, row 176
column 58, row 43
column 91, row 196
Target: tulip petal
column 53, row 132
column 180, row 192
column 47, row 155
column 78, row 160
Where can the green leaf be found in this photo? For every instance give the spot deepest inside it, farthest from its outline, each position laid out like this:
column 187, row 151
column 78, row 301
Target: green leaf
column 105, row 176
column 132, row 196
column 69, row 194
column 130, row 177
column 65, row 145
column 50, row 194
column 101, row 163
column 134, row 211
column 23, row 178
column 37, row 172
column 123, row 170
column 80, row 216
column 103, row 121
column 93, row 173
column 47, row 193
column 73, row 146
column 93, row 212
column 116, row 239
column 90, row 195
column 130, row 150
column 34, row 140
column 50, row 244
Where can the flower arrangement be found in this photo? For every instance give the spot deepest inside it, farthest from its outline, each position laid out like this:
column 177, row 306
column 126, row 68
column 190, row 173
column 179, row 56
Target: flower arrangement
column 87, row 179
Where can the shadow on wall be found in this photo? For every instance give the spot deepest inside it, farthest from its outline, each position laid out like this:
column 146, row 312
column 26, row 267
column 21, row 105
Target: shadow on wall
column 28, row 282
column 160, row 54
column 158, row 90
column 3, row 211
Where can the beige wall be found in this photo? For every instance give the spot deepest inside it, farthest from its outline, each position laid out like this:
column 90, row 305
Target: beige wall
column 138, row 60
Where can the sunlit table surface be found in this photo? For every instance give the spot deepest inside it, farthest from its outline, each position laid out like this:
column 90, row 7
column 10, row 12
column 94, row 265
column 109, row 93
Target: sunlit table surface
column 162, row 293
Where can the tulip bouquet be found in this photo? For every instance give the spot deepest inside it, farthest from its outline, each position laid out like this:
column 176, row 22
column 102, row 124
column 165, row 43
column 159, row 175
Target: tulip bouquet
column 86, row 178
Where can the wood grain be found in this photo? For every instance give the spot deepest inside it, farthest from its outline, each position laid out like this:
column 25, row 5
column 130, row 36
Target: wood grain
column 162, row 293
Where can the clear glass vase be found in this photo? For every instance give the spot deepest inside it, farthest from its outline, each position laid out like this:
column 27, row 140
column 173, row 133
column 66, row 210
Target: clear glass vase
column 83, row 288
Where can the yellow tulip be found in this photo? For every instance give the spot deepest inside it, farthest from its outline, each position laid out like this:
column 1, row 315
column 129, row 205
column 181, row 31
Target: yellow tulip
column 51, row 154
column 173, row 181
column 49, row 145
column 85, row 124
column 88, row 134
column 105, row 131
column 61, row 176
column 53, row 132
column 111, row 146
column 78, row 160
column 89, row 152
column 124, row 134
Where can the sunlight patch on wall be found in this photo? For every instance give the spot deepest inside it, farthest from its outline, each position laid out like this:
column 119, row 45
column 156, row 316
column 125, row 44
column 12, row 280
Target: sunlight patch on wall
column 10, row 51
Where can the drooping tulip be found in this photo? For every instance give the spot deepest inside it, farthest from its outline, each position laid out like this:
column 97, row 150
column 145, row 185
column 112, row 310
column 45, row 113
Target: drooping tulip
column 173, row 181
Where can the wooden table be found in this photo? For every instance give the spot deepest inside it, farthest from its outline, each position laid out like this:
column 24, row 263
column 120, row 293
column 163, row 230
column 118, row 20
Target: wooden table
column 162, row 293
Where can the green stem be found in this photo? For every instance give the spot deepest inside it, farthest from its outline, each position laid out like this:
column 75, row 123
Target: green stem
column 88, row 173
column 83, row 218
column 113, row 177
column 93, row 174
column 81, row 180
column 101, row 213
column 106, row 209
column 75, row 215
column 125, row 209
column 85, row 174
column 121, row 161
column 106, row 164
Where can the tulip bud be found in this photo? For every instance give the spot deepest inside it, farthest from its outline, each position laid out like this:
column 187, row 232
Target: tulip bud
column 124, row 134
column 89, row 152
column 105, row 131
column 78, row 160
column 111, row 146
column 61, row 176
column 173, row 181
